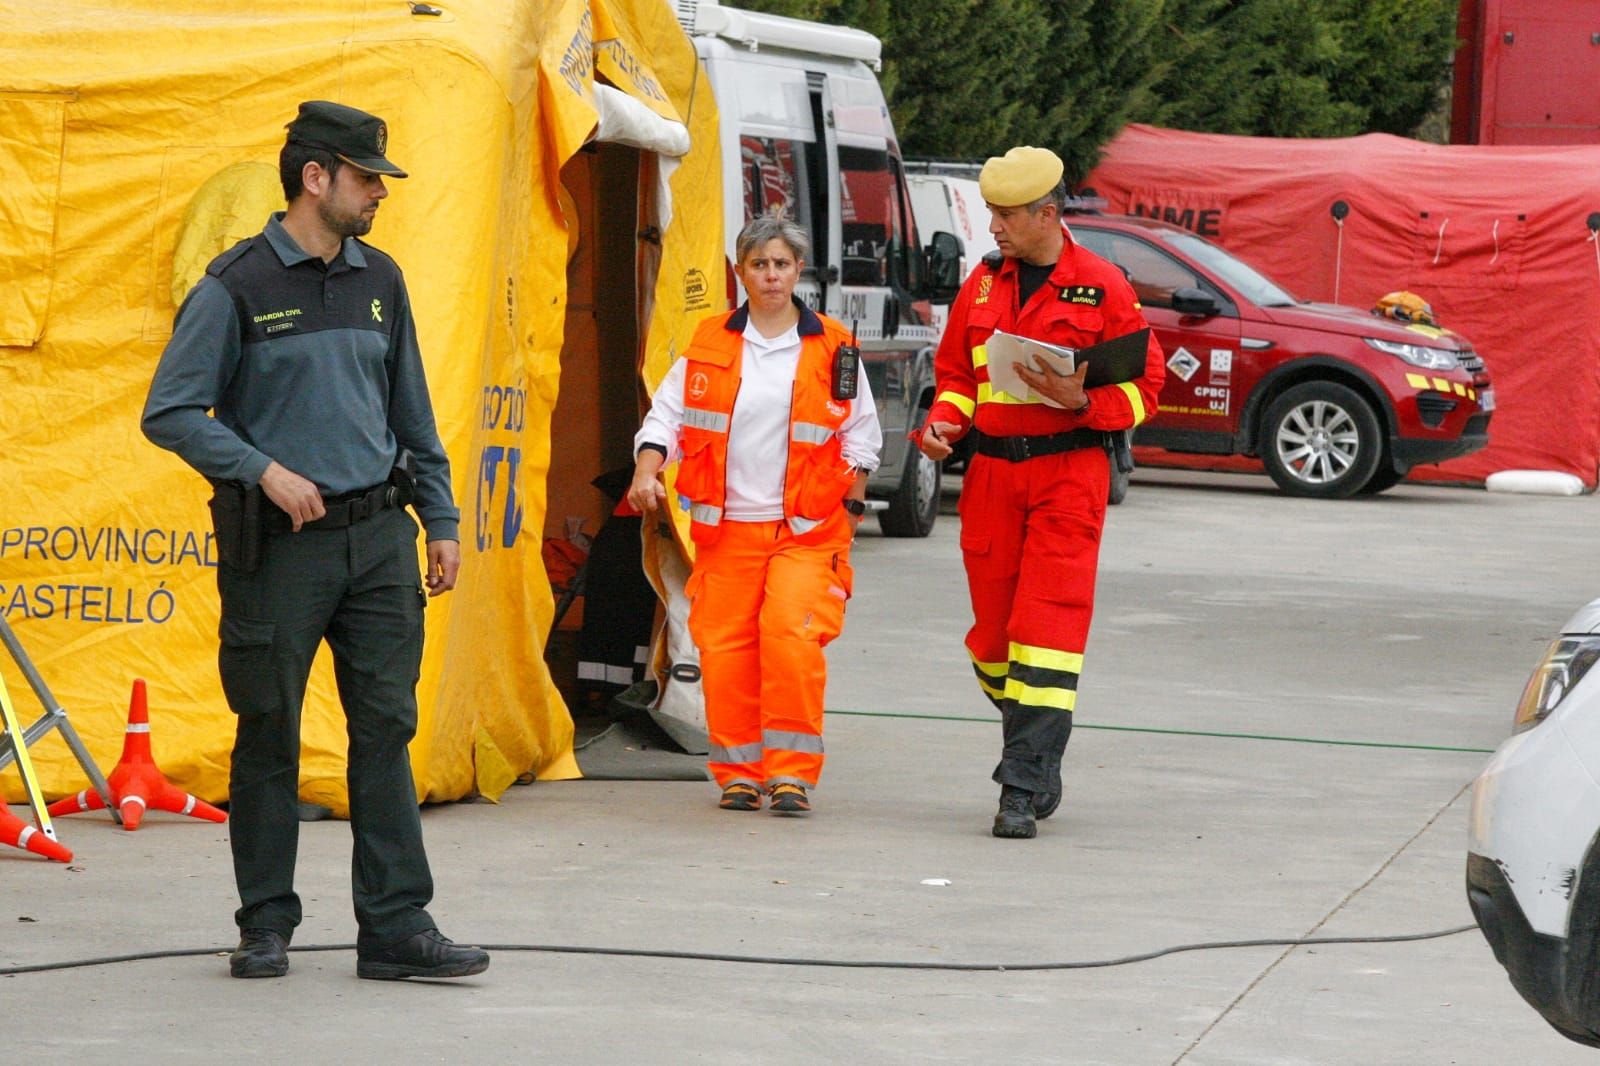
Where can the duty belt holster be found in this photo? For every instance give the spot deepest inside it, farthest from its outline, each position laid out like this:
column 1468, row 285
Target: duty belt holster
column 1021, row 448
column 238, row 516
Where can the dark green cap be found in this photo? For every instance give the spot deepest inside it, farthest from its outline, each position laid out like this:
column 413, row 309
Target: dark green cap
column 356, row 137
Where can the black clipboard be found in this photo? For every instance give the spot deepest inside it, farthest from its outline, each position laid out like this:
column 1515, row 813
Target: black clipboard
column 1114, row 361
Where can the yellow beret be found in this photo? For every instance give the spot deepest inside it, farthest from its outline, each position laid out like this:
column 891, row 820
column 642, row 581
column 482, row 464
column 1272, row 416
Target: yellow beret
column 1020, row 176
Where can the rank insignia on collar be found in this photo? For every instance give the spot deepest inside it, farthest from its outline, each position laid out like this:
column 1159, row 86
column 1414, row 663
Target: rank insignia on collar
column 1091, row 295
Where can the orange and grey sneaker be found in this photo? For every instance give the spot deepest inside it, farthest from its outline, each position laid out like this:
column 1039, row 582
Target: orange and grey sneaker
column 789, row 799
column 740, row 796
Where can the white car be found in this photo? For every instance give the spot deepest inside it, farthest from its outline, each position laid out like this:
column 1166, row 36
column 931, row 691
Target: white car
column 1533, row 860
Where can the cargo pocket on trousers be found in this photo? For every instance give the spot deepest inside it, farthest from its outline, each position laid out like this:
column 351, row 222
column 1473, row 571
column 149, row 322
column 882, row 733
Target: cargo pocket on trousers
column 245, row 664
column 828, row 617
column 974, row 541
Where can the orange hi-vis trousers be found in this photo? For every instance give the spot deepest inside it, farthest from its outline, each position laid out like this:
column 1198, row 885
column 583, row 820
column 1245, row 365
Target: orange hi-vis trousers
column 762, row 608
column 1030, row 539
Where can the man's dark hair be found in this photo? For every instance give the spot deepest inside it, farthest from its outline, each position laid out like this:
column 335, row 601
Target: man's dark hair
column 292, row 164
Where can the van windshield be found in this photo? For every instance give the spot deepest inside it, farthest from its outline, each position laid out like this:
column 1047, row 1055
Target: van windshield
column 1236, row 273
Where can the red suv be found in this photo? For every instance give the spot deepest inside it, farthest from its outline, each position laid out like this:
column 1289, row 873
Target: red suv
column 1334, row 401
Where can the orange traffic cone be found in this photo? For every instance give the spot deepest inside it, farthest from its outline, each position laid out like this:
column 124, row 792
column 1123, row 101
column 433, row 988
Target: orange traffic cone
column 137, row 782
column 19, row 834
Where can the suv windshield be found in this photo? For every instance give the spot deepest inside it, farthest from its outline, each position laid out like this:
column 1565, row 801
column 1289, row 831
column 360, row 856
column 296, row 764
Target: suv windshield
column 1250, row 282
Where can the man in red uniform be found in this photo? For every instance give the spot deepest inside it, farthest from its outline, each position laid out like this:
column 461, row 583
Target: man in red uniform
column 1033, row 498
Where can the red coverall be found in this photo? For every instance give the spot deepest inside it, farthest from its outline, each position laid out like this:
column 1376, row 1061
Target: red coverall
column 1030, row 529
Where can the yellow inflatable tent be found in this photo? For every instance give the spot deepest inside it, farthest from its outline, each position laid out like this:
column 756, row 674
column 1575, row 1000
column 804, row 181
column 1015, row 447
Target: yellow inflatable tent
column 557, row 243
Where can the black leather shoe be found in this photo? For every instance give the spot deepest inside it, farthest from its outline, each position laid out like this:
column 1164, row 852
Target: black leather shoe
column 1045, row 804
column 428, row 954
column 1015, row 817
column 261, row 953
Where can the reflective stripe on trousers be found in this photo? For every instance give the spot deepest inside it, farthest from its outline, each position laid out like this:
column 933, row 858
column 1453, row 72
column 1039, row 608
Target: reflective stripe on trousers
column 762, row 607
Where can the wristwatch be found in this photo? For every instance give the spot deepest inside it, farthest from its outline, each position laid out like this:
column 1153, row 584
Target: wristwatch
column 855, row 507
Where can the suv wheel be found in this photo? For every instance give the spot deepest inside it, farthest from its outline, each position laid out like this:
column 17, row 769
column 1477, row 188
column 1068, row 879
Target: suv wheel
column 1321, row 439
column 915, row 505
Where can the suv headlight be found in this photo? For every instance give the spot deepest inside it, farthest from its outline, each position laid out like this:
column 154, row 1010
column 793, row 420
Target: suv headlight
column 1417, row 354
column 1563, row 666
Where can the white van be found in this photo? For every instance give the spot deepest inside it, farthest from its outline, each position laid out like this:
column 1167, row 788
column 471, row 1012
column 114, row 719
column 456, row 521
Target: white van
column 945, row 198
column 805, row 126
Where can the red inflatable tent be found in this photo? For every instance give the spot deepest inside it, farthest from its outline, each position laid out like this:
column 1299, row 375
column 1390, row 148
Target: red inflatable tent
column 1497, row 239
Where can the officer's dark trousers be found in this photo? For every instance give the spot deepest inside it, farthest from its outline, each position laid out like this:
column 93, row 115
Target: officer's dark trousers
column 360, row 589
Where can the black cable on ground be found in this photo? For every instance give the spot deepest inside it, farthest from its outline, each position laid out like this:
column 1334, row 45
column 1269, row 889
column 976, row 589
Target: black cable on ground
column 771, row 960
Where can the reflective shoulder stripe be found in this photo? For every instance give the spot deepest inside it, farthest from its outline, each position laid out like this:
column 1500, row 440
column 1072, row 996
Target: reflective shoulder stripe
column 1135, row 401
column 808, row 743
column 811, row 433
column 800, row 526
column 965, row 404
column 705, row 514
column 700, row 418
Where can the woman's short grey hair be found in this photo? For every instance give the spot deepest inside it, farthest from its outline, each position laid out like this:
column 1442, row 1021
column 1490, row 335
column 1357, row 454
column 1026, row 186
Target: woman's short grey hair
column 763, row 228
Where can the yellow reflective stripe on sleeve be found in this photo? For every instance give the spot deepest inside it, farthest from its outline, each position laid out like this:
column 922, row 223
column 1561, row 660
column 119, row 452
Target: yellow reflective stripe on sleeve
column 1135, row 401
column 988, row 394
column 1047, row 658
column 1416, row 381
column 965, row 404
column 980, row 356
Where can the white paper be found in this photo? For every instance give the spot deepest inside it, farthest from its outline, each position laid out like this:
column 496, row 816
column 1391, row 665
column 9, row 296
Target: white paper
column 1005, row 350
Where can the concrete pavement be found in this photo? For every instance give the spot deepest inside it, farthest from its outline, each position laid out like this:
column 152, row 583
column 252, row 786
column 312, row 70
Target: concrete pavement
column 1401, row 627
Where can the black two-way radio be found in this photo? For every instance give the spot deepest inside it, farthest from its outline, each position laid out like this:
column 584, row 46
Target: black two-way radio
column 847, row 368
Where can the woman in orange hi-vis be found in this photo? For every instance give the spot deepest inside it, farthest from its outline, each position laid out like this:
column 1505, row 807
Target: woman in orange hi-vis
column 777, row 431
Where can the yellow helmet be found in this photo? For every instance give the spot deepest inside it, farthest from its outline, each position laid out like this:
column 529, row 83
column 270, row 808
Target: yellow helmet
column 1405, row 307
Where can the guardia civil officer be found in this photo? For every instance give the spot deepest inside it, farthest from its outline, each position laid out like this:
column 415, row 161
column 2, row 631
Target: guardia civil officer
column 301, row 342
column 1033, row 498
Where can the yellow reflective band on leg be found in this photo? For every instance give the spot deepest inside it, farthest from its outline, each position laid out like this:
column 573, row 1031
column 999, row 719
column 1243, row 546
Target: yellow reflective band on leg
column 965, row 404
column 991, row 676
column 1056, row 699
column 1047, row 658
column 1135, row 401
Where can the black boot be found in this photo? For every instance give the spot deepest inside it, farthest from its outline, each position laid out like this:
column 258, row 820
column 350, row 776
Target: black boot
column 261, row 953
column 1015, row 817
column 1045, row 804
column 428, row 954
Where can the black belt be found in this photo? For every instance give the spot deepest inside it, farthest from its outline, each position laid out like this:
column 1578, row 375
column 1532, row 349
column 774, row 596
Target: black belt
column 343, row 510
column 1016, row 449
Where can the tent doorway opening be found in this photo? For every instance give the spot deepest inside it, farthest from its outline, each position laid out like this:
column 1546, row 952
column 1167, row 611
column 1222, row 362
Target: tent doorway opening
column 606, row 608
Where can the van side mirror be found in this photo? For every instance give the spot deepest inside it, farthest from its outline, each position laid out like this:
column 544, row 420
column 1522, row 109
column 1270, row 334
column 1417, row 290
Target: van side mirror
column 1195, row 302
column 944, row 267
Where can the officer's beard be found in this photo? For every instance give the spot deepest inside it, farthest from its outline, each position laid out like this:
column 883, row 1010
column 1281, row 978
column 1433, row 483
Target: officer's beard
column 342, row 223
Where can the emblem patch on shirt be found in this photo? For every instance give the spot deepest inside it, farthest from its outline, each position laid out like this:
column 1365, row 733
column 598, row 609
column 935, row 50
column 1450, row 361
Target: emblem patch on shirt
column 836, row 409
column 1090, row 295
column 985, row 283
column 698, row 384
column 377, row 310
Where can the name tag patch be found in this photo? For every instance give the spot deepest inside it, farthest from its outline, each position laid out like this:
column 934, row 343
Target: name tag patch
column 1089, row 295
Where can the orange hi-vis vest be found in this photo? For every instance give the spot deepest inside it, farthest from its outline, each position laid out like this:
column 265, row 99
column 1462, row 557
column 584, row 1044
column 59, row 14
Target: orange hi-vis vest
column 817, row 475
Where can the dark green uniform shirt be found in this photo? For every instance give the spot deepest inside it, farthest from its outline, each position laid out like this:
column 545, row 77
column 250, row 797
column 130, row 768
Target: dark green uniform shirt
column 312, row 364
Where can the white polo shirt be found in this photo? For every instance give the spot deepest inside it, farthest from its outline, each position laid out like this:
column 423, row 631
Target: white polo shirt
column 758, row 435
